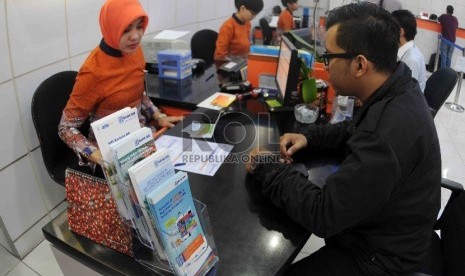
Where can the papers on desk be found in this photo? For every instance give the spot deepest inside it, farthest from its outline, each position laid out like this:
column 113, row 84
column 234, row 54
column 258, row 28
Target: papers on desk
column 196, row 156
column 200, row 130
column 217, row 101
column 203, row 130
column 170, row 35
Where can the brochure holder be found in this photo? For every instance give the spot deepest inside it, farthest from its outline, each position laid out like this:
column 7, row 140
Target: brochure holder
column 149, row 258
column 129, row 210
column 147, row 248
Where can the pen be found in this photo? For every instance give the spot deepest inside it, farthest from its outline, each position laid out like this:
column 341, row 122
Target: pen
column 179, row 164
column 209, row 77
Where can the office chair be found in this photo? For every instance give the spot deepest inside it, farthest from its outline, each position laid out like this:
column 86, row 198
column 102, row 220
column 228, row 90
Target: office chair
column 438, row 88
column 203, row 45
column 47, row 105
column 266, row 31
column 446, row 255
column 48, row 102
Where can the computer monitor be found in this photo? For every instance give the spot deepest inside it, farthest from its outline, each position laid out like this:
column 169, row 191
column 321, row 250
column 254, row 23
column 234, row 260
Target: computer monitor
column 287, row 72
column 306, row 42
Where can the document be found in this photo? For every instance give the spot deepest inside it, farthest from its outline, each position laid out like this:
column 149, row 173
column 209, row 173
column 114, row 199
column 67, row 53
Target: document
column 170, row 35
column 200, row 130
column 196, row 156
column 217, row 101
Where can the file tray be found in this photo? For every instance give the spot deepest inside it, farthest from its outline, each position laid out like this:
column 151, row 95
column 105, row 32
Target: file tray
column 174, row 64
column 149, row 257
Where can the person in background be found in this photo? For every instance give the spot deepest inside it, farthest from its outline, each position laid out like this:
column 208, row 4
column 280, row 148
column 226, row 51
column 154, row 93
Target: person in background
column 111, row 78
column 389, row 5
column 377, row 210
column 286, row 18
column 234, row 35
column 408, row 51
column 449, row 26
column 276, row 11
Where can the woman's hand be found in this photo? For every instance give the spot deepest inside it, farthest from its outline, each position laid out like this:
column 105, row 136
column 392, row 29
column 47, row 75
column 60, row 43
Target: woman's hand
column 290, row 143
column 168, row 121
column 96, row 157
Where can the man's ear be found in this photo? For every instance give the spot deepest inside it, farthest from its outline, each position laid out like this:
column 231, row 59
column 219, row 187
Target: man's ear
column 361, row 64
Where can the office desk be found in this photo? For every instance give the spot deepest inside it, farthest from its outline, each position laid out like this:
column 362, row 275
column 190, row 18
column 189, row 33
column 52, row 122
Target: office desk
column 252, row 236
column 185, row 93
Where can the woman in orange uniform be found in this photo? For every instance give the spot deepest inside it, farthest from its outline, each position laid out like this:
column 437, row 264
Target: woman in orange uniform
column 234, row 35
column 111, row 78
column 286, row 19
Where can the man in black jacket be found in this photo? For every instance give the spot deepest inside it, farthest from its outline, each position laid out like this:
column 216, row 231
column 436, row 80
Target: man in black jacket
column 377, row 211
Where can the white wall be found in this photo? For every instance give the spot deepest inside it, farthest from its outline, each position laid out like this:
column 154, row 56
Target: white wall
column 40, row 38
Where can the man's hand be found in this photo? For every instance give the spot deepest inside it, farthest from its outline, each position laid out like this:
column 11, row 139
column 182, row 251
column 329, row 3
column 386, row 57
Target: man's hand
column 290, row 143
column 253, row 158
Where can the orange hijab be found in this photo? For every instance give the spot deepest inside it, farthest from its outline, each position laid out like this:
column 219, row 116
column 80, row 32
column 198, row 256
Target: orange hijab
column 115, row 17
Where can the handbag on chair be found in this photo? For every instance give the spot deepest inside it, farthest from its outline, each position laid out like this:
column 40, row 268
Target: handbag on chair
column 92, row 212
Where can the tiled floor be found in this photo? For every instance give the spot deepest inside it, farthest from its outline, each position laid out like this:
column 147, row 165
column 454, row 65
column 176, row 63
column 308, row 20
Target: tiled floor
column 451, row 130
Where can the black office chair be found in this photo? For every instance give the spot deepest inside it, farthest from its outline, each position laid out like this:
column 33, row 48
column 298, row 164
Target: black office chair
column 48, row 102
column 446, row 255
column 438, row 88
column 203, row 45
column 266, row 31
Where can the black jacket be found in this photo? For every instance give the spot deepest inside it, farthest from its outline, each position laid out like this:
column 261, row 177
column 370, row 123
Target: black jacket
column 383, row 201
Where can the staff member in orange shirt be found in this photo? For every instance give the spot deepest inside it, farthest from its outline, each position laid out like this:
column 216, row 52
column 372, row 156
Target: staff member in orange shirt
column 234, row 35
column 111, row 78
column 286, row 18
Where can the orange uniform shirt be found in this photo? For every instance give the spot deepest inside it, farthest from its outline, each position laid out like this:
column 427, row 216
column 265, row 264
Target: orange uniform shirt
column 233, row 39
column 104, row 84
column 286, row 21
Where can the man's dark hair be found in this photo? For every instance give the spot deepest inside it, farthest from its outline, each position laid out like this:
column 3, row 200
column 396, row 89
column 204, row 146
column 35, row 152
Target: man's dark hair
column 276, row 10
column 368, row 30
column 450, row 9
column 254, row 5
column 407, row 21
column 285, row 2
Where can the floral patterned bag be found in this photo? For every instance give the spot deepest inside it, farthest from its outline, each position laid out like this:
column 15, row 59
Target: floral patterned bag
column 92, row 212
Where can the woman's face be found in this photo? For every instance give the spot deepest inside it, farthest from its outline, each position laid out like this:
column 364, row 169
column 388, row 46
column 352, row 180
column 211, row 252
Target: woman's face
column 293, row 6
column 245, row 14
column 131, row 37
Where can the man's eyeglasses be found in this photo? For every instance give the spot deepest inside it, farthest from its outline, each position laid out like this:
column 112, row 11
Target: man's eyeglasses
column 327, row 57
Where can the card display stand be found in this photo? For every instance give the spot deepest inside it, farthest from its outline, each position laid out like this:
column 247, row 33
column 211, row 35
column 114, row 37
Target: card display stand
column 147, row 248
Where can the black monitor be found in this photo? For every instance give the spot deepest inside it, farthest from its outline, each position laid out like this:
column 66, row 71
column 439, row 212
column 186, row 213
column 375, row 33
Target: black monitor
column 287, row 72
column 305, row 42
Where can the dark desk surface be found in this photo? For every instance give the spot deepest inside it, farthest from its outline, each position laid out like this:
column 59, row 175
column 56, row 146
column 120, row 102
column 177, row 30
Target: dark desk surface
column 185, row 93
column 252, row 236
